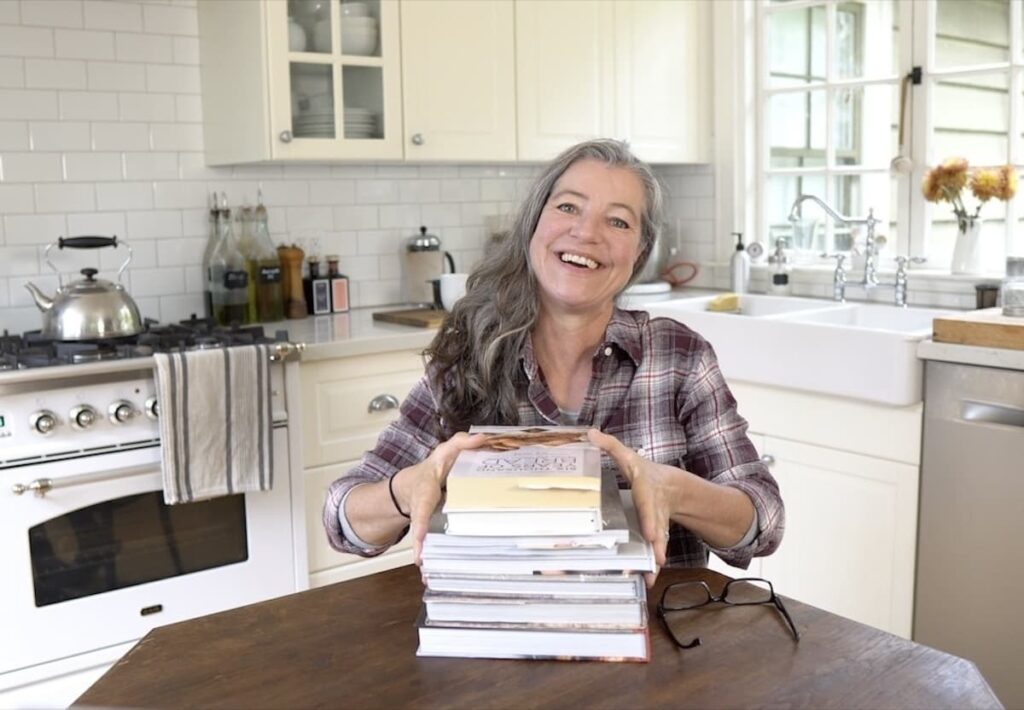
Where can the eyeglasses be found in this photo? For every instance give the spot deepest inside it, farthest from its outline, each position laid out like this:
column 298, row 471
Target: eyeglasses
column 749, row 591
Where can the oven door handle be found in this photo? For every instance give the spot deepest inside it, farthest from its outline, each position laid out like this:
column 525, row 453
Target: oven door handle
column 41, row 486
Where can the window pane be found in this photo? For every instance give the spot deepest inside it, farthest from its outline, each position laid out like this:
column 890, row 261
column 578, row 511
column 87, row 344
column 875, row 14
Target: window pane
column 969, row 33
column 796, row 125
column 972, row 118
column 865, row 130
column 854, row 195
column 861, row 28
column 796, row 46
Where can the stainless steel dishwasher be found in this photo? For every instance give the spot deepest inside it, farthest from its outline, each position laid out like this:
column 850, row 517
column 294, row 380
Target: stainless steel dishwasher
column 969, row 596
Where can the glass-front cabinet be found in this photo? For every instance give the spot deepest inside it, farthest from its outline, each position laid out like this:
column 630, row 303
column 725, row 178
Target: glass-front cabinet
column 334, row 86
column 300, row 80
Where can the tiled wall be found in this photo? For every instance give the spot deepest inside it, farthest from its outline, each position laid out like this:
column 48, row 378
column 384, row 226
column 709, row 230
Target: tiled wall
column 101, row 133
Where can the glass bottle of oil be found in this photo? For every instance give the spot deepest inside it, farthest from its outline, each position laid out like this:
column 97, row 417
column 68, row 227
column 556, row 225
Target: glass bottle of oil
column 264, row 268
column 229, row 280
column 211, row 244
column 244, row 232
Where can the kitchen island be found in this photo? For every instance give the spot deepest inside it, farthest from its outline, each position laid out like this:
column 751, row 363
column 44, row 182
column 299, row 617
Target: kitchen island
column 354, row 644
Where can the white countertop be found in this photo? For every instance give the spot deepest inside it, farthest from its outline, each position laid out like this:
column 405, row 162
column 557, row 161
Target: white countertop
column 971, row 355
column 354, row 333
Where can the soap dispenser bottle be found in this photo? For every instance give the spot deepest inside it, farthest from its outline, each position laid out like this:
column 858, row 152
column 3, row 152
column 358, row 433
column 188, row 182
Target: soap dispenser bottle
column 779, row 285
column 739, row 267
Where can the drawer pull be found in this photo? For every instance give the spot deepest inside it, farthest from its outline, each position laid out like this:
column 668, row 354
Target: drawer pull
column 382, row 403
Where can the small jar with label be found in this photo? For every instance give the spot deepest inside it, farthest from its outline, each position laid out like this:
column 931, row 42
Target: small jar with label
column 1013, row 287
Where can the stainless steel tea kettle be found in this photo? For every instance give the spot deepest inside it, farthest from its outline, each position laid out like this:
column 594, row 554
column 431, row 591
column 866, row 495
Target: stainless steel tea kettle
column 89, row 308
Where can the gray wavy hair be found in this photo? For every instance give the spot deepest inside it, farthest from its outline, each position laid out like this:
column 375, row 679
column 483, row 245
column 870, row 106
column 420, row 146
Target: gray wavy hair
column 474, row 359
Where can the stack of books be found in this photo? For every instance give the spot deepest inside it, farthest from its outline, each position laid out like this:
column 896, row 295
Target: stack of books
column 535, row 554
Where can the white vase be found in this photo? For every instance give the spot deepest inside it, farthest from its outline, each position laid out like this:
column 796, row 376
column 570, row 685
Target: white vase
column 967, row 251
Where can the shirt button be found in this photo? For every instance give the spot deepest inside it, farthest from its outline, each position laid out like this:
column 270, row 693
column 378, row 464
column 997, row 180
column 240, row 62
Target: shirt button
column 607, row 352
column 641, row 452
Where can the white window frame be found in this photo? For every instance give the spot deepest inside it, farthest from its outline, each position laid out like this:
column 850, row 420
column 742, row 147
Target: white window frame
column 741, row 145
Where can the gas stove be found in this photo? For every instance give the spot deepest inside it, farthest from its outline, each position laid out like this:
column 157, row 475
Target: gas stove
column 32, row 349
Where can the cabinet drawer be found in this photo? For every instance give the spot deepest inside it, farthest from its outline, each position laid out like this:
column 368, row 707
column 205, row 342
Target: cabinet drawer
column 321, row 555
column 337, row 421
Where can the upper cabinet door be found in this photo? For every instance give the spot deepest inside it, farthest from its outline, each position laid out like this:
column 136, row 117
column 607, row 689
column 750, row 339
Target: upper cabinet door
column 334, row 79
column 565, row 75
column 458, row 74
column 663, row 99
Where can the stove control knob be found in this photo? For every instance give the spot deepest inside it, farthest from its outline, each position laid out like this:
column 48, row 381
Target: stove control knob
column 152, row 408
column 44, row 421
column 121, row 411
column 83, row 416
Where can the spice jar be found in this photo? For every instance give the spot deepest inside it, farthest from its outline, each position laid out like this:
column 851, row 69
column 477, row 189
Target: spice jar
column 1013, row 287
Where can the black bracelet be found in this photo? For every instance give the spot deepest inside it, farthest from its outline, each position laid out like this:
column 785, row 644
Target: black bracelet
column 391, row 490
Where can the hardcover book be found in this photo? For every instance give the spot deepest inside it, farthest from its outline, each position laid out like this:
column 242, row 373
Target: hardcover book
column 526, row 481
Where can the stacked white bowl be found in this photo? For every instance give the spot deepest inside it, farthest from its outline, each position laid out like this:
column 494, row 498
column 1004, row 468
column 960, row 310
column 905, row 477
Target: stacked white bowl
column 358, row 29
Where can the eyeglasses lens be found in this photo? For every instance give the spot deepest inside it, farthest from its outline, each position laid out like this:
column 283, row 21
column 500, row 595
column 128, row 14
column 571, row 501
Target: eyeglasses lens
column 755, row 591
column 686, row 595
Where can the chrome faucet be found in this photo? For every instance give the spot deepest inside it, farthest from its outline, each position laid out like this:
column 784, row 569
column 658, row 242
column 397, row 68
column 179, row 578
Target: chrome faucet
column 869, row 280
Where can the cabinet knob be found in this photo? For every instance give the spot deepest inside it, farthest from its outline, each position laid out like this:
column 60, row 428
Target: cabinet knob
column 768, row 460
column 382, row 403
column 285, row 136
column 417, row 139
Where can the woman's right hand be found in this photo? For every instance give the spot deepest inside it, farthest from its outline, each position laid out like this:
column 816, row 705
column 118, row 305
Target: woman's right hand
column 419, row 487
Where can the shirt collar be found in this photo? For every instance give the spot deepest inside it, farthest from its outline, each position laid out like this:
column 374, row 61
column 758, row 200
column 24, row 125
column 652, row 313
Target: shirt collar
column 623, row 331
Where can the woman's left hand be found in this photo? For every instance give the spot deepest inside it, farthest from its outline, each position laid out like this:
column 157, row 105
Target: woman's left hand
column 655, row 486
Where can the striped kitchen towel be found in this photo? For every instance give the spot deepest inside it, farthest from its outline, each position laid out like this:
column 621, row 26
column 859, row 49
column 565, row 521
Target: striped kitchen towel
column 215, row 422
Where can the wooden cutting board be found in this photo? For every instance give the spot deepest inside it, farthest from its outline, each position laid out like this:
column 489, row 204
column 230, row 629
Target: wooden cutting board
column 417, row 317
column 988, row 327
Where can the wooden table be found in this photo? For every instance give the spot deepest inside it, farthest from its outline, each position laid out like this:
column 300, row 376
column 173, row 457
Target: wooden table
column 353, row 644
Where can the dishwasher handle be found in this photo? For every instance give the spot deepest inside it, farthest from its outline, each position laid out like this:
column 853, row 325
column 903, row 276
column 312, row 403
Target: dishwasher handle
column 991, row 413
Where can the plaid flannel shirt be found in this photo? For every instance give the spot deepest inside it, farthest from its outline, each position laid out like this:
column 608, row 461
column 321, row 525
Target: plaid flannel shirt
column 656, row 386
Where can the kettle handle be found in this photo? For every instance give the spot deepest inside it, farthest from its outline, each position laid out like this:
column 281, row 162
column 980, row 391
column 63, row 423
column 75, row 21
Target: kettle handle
column 451, row 262
column 85, row 242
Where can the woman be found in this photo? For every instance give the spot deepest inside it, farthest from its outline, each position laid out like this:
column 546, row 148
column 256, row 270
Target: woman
column 537, row 340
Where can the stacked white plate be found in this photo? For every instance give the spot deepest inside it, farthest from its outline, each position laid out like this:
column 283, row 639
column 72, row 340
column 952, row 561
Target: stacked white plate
column 360, row 123
column 318, row 124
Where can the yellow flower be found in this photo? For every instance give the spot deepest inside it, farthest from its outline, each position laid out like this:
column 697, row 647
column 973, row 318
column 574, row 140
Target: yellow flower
column 987, row 183
column 952, row 175
column 930, row 188
column 1008, row 182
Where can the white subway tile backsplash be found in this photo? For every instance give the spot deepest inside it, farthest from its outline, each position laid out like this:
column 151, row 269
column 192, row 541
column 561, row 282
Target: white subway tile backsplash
column 407, row 217
column 332, row 192
column 390, row 266
column 13, row 136
column 84, row 44
column 381, row 241
column 195, row 222
column 9, row 12
column 460, row 190
column 16, row 198
column 52, row 13
column 88, row 106
column 67, row 197
column 353, row 171
column 307, row 217
column 151, row 166
column 124, row 195
column 34, row 229
column 27, row 104
column 441, row 215
column 398, row 171
column 104, row 15
column 143, row 257
column 172, row 78
column 306, row 170
column 32, row 167
column 157, row 282
column 376, row 191
column 180, row 252
column 60, row 135
column 120, row 136
column 421, row 191
column 18, row 41
column 55, row 74
column 188, row 108
column 177, row 308
column 154, row 224
column 363, row 268
column 281, row 193
column 12, row 72
column 106, row 224
column 116, row 76
column 145, row 107
column 356, row 217
column 137, row 47
column 18, row 261
column 166, row 19
column 177, row 136
column 184, row 193
column 186, row 50
column 19, row 296
column 501, row 189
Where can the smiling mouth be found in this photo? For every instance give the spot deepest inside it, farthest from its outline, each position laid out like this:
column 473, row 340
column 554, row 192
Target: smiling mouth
column 578, row 260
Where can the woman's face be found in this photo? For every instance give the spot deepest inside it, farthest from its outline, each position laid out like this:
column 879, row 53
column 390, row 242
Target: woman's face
column 588, row 236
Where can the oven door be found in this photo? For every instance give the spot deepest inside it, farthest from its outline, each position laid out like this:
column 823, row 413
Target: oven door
column 100, row 560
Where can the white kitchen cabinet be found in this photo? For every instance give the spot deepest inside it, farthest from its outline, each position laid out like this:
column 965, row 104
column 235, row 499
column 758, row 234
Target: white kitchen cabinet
column 347, row 402
column 629, row 69
column 848, row 472
column 458, row 77
column 300, row 80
